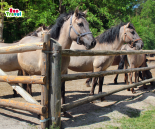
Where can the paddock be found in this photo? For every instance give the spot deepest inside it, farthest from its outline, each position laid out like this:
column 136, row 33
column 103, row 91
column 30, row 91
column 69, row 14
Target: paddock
column 102, row 112
column 54, row 110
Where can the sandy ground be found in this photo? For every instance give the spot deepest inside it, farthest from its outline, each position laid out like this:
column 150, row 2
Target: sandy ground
column 88, row 116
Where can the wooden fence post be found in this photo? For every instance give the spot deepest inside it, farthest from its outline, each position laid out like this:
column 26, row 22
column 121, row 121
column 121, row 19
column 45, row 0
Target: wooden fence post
column 45, row 88
column 55, row 85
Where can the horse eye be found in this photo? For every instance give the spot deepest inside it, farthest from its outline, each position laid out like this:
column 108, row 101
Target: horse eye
column 133, row 32
column 80, row 24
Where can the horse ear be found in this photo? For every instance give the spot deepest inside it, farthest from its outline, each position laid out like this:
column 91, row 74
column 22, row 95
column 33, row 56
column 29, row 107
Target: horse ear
column 85, row 12
column 127, row 25
column 76, row 12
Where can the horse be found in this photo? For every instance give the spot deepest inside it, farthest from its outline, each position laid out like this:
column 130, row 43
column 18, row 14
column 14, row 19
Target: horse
column 69, row 27
column 134, row 61
column 112, row 39
column 116, row 61
column 9, row 62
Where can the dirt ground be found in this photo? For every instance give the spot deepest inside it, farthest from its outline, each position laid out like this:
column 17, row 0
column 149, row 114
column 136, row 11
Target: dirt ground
column 88, row 116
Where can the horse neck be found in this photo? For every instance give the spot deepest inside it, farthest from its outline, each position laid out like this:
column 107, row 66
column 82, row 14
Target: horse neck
column 116, row 45
column 64, row 39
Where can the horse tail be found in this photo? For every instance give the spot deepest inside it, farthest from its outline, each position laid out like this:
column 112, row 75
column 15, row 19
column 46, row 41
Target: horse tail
column 121, row 63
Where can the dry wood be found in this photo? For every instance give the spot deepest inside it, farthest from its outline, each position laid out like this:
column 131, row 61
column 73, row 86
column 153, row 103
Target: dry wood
column 55, row 88
column 21, row 48
column 103, row 53
column 39, row 109
column 23, row 79
column 45, row 87
column 67, row 77
column 21, row 91
column 88, row 99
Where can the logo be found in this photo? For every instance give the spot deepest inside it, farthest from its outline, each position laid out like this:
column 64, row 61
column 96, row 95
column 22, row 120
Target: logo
column 13, row 13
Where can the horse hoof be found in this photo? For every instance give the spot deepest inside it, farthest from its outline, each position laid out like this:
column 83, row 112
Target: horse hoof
column 88, row 85
column 128, row 89
column 67, row 115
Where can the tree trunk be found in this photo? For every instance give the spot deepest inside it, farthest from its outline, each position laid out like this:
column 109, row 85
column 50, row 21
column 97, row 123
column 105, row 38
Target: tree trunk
column 1, row 23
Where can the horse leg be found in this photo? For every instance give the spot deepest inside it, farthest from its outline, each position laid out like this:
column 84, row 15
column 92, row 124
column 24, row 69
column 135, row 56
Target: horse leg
column 140, row 75
column 120, row 66
column 136, row 78
column 126, row 77
column 130, row 76
column 115, row 80
column 63, row 92
column 27, row 87
column 94, row 83
column 88, row 81
column 101, row 79
column 14, row 91
column 143, row 78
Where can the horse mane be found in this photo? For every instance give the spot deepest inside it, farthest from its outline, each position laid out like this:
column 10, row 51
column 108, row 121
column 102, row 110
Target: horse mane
column 55, row 31
column 110, row 35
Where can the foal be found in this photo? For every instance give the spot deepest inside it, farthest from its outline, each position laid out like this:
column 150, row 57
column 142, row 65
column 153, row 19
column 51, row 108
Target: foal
column 135, row 61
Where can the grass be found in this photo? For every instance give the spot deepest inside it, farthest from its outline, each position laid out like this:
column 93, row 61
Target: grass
column 146, row 120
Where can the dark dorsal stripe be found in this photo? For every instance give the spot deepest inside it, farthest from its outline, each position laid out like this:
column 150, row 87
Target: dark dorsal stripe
column 55, row 31
column 110, row 35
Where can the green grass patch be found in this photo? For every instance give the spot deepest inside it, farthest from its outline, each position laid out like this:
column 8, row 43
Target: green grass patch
column 145, row 121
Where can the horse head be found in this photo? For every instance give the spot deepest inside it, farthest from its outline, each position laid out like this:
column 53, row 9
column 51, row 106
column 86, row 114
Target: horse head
column 130, row 36
column 79, row 30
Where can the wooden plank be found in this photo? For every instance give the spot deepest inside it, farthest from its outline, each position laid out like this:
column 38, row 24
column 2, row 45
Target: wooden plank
column 88, row 99
column 21, row 91
column 34, row 108
column 23, row 79
column 67, row 77
column 67, row 52
column 21, row 48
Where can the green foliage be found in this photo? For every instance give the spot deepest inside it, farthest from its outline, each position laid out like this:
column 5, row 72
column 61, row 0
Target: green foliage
column 145, row 24
column 102, row 14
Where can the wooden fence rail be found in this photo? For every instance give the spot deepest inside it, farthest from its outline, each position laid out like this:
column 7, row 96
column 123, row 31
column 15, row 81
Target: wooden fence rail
column 39, row 109
column 50, row 108
column 21, row 48
column 20, row 90
column 104, row 53
column 67, row 77
column 88, row 99
column 23, row 79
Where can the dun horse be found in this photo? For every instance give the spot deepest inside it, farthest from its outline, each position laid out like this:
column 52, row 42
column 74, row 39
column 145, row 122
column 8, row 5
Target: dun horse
column 111, row 39
column 134, row 61
column 9, row 62
column 68, row 28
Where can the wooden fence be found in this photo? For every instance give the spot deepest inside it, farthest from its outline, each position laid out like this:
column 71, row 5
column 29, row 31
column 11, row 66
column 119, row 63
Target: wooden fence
column 44, row 109
column 50, row 107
